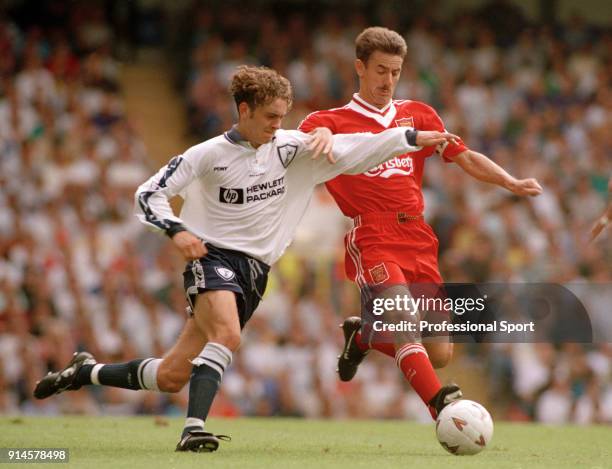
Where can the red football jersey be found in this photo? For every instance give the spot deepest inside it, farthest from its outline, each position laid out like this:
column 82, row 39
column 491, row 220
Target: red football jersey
column 396, row 184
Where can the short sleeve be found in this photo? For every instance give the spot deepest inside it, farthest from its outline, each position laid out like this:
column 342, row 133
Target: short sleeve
column 316, row 119
column 432, row 121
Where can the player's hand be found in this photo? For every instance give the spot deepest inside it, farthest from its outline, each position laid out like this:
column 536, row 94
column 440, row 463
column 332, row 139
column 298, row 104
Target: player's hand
column 429, row 138
column 599, row 226
column 321, row 142
column 525, row 187
column 190, row 246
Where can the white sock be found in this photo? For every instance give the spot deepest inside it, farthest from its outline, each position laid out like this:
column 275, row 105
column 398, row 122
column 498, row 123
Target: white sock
column 148, row 371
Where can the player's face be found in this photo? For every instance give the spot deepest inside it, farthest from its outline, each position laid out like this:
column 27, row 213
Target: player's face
column 378, row 77
column 260, row 124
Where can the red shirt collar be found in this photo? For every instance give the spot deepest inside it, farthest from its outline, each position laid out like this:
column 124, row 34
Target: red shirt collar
column 368, row 107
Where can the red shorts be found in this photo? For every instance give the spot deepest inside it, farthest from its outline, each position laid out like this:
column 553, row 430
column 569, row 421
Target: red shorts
column 390, row 248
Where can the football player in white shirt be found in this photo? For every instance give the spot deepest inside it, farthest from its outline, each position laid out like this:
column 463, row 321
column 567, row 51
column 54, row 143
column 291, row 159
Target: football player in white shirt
column 244, row 193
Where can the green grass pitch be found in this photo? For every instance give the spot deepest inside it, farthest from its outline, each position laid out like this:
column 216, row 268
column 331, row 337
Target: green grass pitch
column 145, row 442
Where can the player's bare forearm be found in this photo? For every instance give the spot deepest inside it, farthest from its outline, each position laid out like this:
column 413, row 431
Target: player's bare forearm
column 602, row 222
column 482, row 168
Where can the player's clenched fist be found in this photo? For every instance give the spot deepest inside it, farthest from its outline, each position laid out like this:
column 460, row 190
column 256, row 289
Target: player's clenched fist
column 190, row 246
column 428, row 138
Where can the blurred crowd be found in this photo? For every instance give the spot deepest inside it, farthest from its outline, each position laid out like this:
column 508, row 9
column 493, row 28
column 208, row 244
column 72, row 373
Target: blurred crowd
column 69, row 164
column 77, row 271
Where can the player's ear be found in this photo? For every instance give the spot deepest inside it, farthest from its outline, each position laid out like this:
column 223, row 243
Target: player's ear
column 243, row 110
column 359, row 67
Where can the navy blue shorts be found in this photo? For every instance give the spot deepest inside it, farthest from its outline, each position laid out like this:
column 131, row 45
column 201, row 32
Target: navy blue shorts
column 224, row 269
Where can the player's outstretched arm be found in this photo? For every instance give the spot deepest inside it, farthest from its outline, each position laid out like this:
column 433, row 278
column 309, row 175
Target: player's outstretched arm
column 357, row 153
column 482, row 168
column 432, row 138
column 322, row 140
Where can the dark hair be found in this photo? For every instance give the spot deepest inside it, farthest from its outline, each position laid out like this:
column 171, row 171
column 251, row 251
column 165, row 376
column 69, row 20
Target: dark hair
column 257, row 86
column 380, row 39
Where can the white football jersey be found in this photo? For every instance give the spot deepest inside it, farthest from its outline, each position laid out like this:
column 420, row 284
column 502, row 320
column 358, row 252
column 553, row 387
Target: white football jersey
column 252, row 199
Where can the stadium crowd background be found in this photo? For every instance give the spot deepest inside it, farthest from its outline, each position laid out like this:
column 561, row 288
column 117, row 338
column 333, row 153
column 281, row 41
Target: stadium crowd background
column 77, row 271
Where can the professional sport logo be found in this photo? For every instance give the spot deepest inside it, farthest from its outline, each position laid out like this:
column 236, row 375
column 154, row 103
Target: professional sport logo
column 231, row 196
column 225, row 274
column 396, row 166
column 286, row 153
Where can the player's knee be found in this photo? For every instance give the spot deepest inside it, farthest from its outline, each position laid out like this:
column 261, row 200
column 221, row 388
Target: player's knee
column 228, row 338
column 441, row 356
column 171, row 384
column 223, row 330
column 169, row 380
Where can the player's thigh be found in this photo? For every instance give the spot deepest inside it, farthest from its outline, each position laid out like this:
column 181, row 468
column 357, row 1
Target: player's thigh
column 216, row 315
column 177, row 361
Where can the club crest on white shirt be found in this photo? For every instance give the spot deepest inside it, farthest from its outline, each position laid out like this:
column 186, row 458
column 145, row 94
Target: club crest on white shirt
column 286, row 153
column 224, row 273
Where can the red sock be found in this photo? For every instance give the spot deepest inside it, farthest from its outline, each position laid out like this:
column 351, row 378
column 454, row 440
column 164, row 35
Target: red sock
column 383, row 347
column 363, row 346
column 414, row 362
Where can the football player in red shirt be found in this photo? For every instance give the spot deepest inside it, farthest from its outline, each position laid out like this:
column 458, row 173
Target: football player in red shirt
column 390, row 245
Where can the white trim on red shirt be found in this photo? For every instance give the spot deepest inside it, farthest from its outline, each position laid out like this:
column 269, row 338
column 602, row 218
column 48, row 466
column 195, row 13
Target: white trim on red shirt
column 383, row 116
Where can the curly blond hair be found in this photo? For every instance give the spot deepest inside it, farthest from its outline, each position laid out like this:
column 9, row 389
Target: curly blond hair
column 258, row 86
column 380, row 39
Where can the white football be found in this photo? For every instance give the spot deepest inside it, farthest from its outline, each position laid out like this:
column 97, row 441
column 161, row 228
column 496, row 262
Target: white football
column 464, row 427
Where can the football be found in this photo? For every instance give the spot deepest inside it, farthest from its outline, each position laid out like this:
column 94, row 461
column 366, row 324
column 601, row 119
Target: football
column 464, row 427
